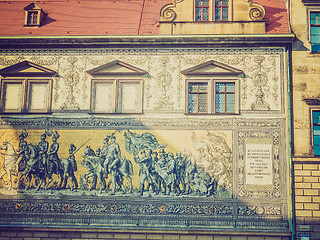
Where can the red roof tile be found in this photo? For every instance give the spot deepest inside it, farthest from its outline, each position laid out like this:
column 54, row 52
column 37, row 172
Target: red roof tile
column 276, row 16
column 108, row 17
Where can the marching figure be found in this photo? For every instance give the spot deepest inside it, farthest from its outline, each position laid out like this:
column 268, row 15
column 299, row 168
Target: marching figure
column 53, row 153
column 70, row 166
column 22, row 150
column 43, row 147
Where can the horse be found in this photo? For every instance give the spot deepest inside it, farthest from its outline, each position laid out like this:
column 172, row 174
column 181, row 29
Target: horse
column 126, row 170
column 55, row 168
column 68, row 168
column 94, row 165
column 33, row 167
column 10, row 160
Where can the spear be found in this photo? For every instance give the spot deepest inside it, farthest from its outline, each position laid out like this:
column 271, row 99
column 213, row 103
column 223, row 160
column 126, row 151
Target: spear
column 80, row 147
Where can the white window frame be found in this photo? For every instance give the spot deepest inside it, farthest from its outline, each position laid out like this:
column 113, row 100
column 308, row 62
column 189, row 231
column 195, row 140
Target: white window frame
column 212, row 94
column 25, row 94
column 116, row 104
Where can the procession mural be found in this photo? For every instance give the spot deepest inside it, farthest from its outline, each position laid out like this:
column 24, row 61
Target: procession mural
column 126, row 162
column 162, row 169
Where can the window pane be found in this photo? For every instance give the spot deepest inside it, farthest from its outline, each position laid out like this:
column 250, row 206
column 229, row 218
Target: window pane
column 316, row 135
column 203, row 103
column 316, row 130
column 218, row 14
column 230, row 87
column 103, row 101
column 315, row 18
column 205, row 14
column 38, row 97
column 224, row 13
column 198, row 14
column 220, row 87
column 192, row 101
column 32, row 18
column 129, row 97
column 220, row 103
column 230, row 103
column 203, row 87
column 316, row 150
column 12, row 99
column 193, row 87
column 316, row 117
column 225, row 2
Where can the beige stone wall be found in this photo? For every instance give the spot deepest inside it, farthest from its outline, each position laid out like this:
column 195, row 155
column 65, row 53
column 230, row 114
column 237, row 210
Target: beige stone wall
column 180, row 18
column 305, row 84
column 307, row 198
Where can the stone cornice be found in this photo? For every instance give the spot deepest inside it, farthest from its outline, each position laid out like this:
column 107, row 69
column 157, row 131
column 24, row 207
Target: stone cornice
column 143, row 41
column 311, row 2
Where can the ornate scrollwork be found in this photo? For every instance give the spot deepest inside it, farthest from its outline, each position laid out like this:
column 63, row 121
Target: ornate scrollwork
column 167, row 13
column 256, row 12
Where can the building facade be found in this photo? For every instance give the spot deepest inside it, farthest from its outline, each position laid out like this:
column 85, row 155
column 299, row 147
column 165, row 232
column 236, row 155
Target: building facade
column 305, row 61
column 171, row 121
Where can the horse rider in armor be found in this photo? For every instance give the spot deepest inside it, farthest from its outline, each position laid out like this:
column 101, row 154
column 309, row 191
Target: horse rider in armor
column 22, row 149
column 53, row 153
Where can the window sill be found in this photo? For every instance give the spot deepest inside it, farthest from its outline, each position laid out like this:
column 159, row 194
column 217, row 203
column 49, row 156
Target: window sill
column 212, row 114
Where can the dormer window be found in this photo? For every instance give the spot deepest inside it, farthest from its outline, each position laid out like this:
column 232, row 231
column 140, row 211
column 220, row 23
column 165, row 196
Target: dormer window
column 33, row 15
column 214, row 10
column 32, row 18
column 221, row 10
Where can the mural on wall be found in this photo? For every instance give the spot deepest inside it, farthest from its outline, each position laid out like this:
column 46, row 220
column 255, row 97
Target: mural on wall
column 169, row 170
column 120, row 163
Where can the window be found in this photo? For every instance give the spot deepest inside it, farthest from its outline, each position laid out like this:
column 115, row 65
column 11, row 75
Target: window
column 198, row 97
column 316, row 132
column 32, row 18
column 26, row 88
column 116, row 88
column 26, row 95
column 225, row 97
column 212, row 96
column 315, row 31
column 116, row 96
column 221, row 10
column 212, row 88
column 202, row 10
column 33, row 15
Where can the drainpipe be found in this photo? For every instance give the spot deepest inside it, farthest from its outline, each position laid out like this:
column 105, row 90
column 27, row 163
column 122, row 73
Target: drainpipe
column 291, row 170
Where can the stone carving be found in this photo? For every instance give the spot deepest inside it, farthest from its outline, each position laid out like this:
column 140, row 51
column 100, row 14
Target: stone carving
column 71, row 80
column 159, row 68
column 167, row 13
column 164, row 80
column 260, row 81
column 256, row 12
column 276, row 190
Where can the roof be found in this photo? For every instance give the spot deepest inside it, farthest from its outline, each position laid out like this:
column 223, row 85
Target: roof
column 276, row 16
column 108, row 17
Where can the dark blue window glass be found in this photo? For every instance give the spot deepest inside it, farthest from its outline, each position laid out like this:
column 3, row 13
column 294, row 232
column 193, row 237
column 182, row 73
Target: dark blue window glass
column 221, row 10
column 225, row 98
column 316, row 132
column 315, row 31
